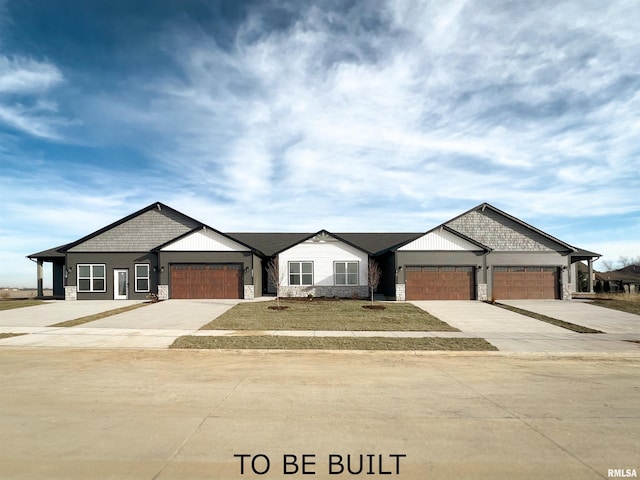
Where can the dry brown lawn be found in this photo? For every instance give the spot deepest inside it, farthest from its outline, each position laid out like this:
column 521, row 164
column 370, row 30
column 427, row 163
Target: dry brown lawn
column 334, row 343
column 629, row 303
column 14, row 303
column 319, row 314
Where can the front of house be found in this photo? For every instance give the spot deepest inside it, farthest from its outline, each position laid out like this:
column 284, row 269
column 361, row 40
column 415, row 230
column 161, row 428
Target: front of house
column 482, row 254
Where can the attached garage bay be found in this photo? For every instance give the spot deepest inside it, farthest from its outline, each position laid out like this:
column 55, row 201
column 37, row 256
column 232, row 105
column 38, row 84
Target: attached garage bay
column 206, row 280
column 525, row 283
column 440, row 283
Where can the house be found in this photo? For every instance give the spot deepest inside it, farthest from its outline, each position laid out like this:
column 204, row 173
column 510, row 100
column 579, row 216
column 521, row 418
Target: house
column 149, row 251
column 486, row 253
column 481, row 254
column 623, row 280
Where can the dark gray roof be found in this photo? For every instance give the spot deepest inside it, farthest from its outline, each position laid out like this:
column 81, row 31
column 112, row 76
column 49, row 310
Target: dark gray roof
column 584, row 254
column 377, row 243
column 51, row 253
column 272, row 243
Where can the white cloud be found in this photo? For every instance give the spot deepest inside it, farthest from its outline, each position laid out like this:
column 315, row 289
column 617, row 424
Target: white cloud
column 506, row 103
column 381, row 116
column 23, row 82
column 25, row 75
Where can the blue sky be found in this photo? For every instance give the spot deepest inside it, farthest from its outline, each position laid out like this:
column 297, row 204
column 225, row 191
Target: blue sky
column 298, row 116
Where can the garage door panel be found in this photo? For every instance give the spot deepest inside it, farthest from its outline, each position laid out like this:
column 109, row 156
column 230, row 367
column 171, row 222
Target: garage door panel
column 206, row 281
column 439, row 283
column 525, row 283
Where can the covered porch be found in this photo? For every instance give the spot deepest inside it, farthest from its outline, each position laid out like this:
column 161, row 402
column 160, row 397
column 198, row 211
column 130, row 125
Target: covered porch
column 575, row 260
column 57, row 259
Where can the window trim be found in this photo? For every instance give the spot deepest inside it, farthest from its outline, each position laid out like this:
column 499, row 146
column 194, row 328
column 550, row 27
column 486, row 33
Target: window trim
column 300, row 274
column 346, row 273
column 91, row 277
column 147, row 277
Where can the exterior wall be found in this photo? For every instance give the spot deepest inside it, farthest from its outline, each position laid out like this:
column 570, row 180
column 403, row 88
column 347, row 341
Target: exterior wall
column 142, row 233
column 205, row 240
column 70, row 293
column 169, row 257
column 500, row 233
column 324, row 291
column 111, row 261
column 482, row 292
column 439, row 240
column 459, row 258
column 58, row 279
column 256, row 272
column 323, row 255
column 249, row 292
column 387, row 264
column 400, row 292
column 163, row 292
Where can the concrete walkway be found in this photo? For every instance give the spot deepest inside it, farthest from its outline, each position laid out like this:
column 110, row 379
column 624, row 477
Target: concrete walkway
column 512, row 332
column 582, row 313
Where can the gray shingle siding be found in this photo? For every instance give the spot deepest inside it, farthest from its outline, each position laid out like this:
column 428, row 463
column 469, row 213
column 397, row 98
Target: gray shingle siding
column 500, row 233
column 141, row 233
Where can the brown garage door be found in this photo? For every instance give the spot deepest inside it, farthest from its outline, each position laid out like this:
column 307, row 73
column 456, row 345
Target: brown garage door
column 440, row 283
column 210, row 280
column 520, row 283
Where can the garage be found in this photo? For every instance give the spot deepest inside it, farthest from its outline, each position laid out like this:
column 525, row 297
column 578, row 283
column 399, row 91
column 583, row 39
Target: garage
column 525, row 283
column 440, row 283
column 206, row 280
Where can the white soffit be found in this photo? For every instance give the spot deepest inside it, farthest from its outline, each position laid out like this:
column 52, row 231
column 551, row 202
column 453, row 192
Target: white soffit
column 440, row 240
column 205, row 241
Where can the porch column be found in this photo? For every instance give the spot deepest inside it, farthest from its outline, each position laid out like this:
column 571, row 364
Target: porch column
column 590, row 281
column 40, row 273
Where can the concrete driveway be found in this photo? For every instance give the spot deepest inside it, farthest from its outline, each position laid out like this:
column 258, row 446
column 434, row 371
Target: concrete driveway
column 583, row 313
column 512, row 332
column 168, row 315
column 56, row 311
column 153, row 326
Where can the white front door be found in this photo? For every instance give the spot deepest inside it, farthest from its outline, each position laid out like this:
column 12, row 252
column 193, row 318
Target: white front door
column 120, row 284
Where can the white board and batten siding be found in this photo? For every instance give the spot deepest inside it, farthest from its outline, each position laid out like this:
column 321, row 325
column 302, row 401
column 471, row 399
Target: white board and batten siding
column 440, row 240
column 323, row 254
column 205, row 241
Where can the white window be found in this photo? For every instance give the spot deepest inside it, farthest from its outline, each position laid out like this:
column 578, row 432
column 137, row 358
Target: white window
column 346, row 273
column 142, row 277
column 92, row 278
column 300, row 273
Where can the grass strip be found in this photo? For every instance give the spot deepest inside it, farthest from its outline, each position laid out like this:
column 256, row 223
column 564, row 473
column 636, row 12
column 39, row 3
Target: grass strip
column 9, row 335
column 628, row 306
column 98, row 316
column 333, row 343
column 319, row 314
column 544, row 318
column 11, row 304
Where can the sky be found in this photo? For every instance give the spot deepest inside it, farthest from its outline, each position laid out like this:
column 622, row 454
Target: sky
column 301, row 116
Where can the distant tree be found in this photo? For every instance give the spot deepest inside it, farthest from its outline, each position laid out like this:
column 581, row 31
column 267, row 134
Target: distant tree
column 373, row 276
column 625, row 261
column 607, row 265
column 598, row 287
column 622, row 262
column 275, row 276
